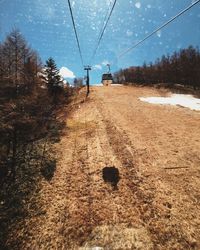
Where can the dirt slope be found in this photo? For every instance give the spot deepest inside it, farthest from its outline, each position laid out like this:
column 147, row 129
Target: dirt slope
column 156, row 204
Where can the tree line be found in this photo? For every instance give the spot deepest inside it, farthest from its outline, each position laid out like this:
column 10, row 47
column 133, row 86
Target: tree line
column 181, row 67
column 30, row 95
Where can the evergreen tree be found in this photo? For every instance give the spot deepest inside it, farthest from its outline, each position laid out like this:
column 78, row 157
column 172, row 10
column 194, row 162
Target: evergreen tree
column 53, row 79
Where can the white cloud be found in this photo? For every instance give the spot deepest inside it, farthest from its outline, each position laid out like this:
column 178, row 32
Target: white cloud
column 138, row 5
column 66, row 73
column 97, row 67
column 105, row 62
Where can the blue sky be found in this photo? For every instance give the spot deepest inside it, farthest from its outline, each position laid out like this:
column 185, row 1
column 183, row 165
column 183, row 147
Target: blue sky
column 47, row 26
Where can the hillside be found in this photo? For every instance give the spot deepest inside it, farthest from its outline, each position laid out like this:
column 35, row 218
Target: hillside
column 153, row 204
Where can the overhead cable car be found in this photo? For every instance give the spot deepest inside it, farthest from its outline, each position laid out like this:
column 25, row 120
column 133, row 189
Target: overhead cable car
column 107, row 78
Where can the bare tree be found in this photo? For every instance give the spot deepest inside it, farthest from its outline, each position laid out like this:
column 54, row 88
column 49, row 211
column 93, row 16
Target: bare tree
column 181, row 67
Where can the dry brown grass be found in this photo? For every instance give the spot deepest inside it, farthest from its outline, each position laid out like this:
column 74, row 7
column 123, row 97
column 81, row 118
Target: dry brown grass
column 152, row 208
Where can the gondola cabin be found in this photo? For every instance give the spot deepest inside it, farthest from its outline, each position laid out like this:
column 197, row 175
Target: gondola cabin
column 107, row 79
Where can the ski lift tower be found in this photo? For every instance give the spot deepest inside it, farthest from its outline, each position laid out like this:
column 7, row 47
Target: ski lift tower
column 88, row 68
column 108, row 68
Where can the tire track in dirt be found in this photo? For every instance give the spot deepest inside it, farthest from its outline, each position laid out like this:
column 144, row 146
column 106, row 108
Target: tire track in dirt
column 82, row 211
column 108, row 207
column 156, row 219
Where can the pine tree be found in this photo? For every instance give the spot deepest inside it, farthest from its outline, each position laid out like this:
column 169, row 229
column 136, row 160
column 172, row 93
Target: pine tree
column 21, row 114
column 52, row 77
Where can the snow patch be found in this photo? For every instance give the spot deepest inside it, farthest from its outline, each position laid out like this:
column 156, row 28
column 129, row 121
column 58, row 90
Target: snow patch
column 116, row 85
column 187, row 101
column 97, row 84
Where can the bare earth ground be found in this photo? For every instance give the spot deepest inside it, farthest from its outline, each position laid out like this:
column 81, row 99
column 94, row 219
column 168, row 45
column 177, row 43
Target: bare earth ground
column 157, row 202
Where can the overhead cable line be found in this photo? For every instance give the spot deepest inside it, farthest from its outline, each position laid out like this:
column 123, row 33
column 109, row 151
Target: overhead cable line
column 103, row 24
column 162, row 26
column 104, row 28
column 75, row 31
column 104, row 21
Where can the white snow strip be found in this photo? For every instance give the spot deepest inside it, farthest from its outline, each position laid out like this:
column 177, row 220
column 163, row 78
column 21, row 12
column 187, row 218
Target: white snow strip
column 97, row 84
column 116, row 85
column 187, row 101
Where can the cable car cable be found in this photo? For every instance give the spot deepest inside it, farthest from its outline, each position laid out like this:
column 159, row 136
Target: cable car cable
column 103, row 24
column 161, row 27
column 75, row 31
column 104, row 28
column 104, row 21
